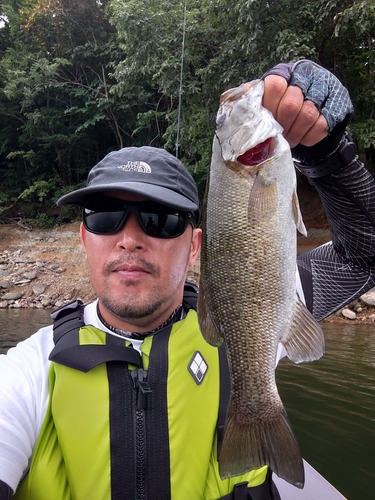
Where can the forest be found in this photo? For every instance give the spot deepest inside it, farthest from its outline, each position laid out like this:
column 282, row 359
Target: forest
column 79, row 79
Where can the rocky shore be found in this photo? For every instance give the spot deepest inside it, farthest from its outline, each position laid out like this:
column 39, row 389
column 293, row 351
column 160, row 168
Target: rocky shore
column 41, row 268
column 46, row 269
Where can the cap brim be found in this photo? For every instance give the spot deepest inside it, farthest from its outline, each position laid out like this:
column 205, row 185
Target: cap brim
column 150, row 191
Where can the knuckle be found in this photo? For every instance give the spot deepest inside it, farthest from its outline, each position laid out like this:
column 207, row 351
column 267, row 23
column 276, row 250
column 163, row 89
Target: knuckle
column 309, row 111
column 290, row 107
column 275, row 85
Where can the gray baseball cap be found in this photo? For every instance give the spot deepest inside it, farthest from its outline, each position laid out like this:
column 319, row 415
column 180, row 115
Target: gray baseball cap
column 151, row 172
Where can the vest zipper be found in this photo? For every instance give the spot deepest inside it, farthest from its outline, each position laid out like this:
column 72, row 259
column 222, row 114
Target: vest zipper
column 142, row 389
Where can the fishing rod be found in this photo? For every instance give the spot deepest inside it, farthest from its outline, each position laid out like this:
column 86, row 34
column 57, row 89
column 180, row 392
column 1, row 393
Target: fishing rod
column 181, row 73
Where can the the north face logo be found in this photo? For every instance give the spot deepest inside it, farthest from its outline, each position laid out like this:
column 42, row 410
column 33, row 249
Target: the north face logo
column 136, row 166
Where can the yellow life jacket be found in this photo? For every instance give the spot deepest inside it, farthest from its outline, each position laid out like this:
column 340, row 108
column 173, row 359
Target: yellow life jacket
column 142, row 430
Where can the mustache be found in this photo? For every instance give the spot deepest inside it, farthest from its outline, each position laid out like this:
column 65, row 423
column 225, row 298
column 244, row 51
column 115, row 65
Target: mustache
column 134, row 260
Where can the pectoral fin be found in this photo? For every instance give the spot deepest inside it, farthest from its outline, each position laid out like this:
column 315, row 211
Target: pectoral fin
column 297, row 214
column 263, row 198
column 304, row 341
column 209, row 331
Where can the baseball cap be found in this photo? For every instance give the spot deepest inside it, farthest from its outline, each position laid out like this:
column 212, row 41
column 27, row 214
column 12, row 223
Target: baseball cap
column 151, row 172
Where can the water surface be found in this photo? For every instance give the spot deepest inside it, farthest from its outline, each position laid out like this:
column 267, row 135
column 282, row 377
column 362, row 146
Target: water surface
column 331, row 404
column 18, row 324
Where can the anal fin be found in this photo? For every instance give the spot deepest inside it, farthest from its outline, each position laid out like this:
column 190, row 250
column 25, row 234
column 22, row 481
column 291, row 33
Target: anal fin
column 304, row 341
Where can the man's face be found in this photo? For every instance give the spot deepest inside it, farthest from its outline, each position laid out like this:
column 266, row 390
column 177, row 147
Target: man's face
column 138, row 278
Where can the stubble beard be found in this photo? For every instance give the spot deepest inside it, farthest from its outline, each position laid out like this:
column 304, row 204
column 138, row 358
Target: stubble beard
column 147, row 309
column 133, row 309
column 129, row 312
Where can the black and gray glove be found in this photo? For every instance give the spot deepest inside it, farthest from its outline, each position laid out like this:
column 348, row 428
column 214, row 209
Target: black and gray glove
column 332, row 100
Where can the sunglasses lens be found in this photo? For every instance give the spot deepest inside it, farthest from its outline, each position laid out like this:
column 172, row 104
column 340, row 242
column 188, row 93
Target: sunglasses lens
column 103, row 217
column 108, row 216
column 162, row 222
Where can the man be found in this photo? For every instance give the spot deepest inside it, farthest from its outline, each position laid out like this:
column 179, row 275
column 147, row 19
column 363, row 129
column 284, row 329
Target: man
column 125, row 401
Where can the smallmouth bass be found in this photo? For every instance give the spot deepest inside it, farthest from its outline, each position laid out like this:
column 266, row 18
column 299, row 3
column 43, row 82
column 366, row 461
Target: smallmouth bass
column 247, row 292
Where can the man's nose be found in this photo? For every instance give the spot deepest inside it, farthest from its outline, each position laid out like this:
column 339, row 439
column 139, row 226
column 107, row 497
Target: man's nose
column 131, row 236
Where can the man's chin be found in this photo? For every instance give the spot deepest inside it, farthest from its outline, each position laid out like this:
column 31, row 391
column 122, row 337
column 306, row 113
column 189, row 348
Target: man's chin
column 132, row 312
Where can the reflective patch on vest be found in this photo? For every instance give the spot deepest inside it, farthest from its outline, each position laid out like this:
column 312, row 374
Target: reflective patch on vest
column 198, row 367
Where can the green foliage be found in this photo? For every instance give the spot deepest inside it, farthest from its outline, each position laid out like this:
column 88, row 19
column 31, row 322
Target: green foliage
column 365, row 133
column 79, row 79
column 40, row 189
column 45, row 221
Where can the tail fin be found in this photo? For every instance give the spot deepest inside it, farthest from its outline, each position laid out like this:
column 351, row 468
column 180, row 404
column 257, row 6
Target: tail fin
column 251, row 445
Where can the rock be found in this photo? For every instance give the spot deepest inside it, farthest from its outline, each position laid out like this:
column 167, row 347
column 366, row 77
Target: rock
column 39, row 288
column 11, row 296
column 30, row 275
column 22, row 282
column 5, row 284
column 3, row 304
column 348, row 313
column 46, row 301
column 369, row 297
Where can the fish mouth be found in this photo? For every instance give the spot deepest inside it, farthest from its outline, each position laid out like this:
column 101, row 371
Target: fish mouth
column 258, row 154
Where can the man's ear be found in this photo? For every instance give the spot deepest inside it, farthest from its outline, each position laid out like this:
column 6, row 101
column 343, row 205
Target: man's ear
column 196, row 243
column 82, row 234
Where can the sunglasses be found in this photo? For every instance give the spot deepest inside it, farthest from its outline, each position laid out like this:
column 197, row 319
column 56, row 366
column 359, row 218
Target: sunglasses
column 108, row 216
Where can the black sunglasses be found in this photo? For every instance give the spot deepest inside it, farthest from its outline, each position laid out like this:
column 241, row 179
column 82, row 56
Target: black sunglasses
column 108, row 216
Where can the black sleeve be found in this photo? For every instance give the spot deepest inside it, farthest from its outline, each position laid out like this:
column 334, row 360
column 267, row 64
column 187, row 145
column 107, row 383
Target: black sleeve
column 338, row 272
column 5, row 491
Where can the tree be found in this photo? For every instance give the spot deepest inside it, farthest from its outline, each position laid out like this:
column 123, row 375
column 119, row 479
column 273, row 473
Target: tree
column 78, row 79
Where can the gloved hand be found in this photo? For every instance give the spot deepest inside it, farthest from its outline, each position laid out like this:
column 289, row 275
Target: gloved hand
column 333, row 107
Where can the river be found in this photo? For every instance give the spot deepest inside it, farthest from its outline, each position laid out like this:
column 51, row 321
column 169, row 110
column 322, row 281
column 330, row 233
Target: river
column 331, row 402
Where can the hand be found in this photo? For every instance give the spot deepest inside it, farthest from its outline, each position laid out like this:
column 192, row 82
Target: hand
column 308, row 101
column 301, row 120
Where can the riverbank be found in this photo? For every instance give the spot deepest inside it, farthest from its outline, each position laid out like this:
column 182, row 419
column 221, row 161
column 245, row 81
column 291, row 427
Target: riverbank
column 46, row 269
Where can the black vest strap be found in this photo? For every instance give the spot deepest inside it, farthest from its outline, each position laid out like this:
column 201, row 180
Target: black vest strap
column 5, row 491
column 265, row 491
column 225, row 388
column 68, row 352
column 86, row 357
column 190, row 296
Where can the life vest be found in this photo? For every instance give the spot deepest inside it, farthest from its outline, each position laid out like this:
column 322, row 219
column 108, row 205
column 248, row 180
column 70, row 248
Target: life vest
column 124, row 426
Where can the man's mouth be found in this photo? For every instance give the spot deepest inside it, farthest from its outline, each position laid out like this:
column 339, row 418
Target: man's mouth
column 131, row 270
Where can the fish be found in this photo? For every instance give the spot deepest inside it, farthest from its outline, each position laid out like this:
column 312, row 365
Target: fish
column 247, row 288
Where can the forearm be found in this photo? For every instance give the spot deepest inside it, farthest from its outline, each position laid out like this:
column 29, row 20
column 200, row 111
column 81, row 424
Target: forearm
column 335, row 274
column 348, row 196
column 24, row 396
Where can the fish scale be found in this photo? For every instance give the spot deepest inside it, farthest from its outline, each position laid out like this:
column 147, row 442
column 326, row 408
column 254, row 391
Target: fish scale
column 247, row 285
